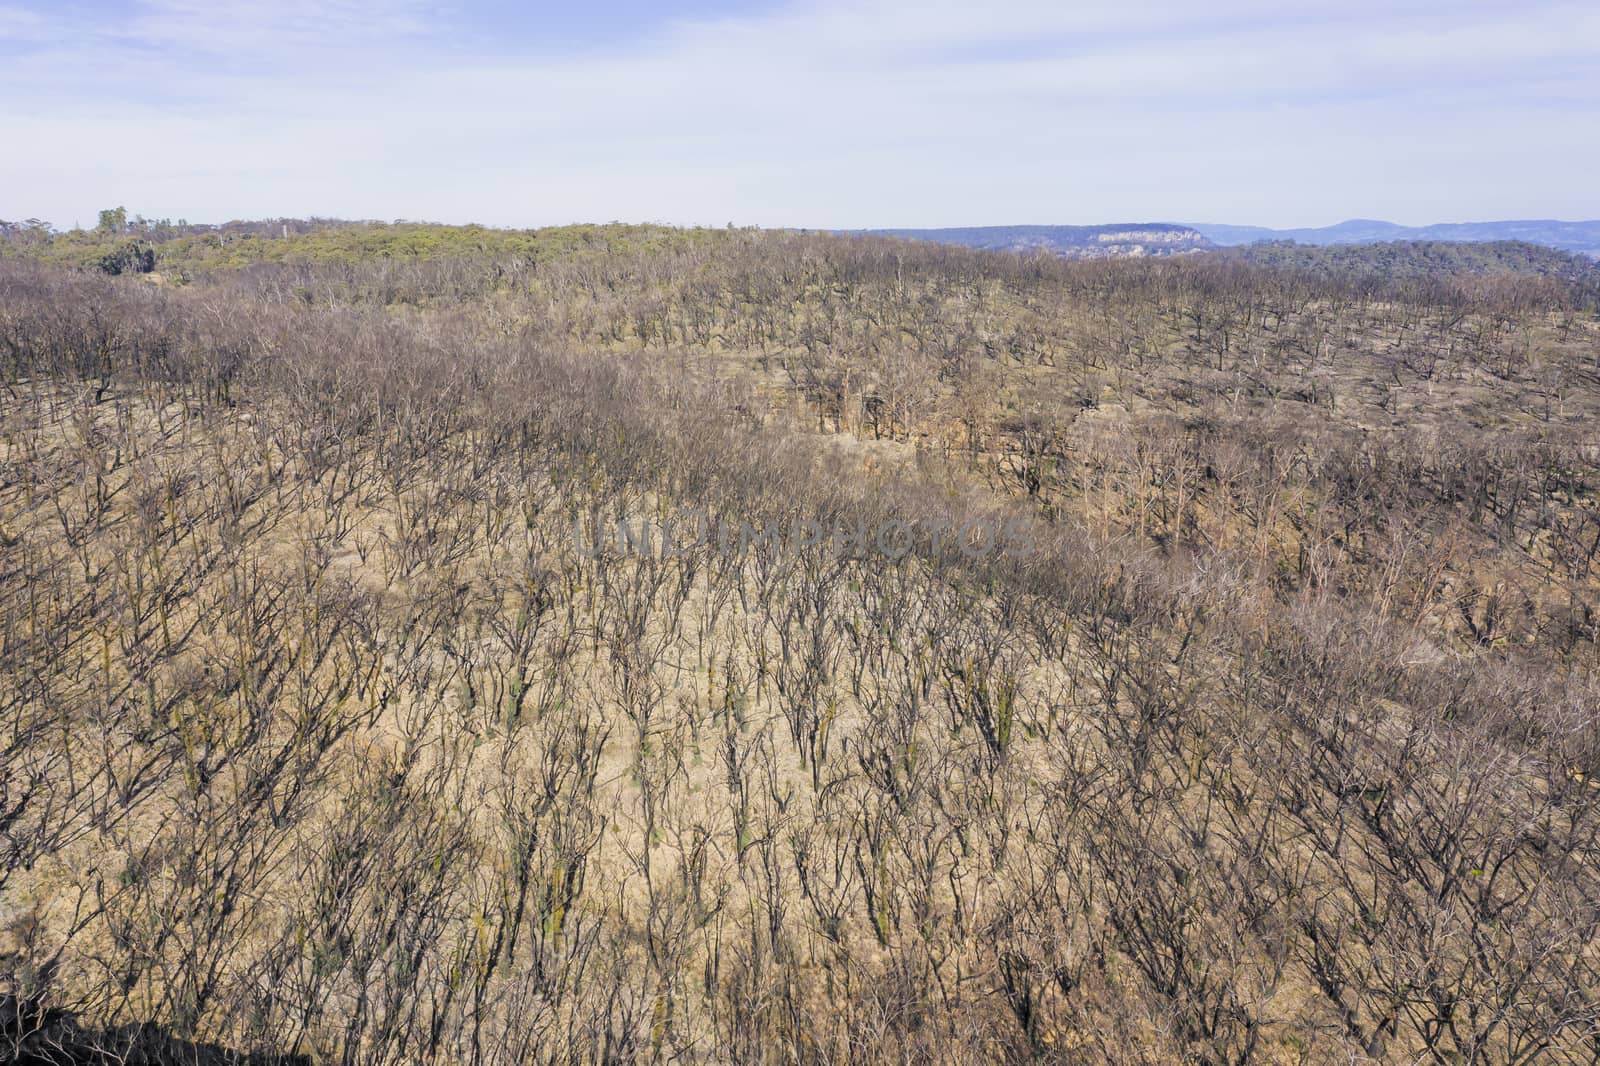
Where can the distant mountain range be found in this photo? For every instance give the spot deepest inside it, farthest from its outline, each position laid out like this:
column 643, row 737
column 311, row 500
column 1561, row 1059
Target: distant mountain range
column 1581, row 237
column 1167, row 238
column 1129, row 238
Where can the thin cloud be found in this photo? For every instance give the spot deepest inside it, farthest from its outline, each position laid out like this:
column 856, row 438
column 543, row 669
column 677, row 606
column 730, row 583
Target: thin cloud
column 889, row 113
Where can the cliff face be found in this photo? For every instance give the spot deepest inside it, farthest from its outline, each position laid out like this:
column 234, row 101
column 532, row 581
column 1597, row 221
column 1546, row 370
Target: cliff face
column 1122, row 239
column 1148, row 240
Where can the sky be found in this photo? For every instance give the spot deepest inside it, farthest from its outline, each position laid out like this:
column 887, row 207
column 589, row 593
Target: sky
column 847, row 114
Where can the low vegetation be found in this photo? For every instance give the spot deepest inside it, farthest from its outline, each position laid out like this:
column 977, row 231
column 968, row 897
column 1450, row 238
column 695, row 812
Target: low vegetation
column 340, row 723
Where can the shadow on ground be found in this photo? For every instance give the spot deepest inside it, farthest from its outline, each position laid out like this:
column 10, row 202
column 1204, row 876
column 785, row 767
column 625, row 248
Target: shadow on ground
column 29, row 1034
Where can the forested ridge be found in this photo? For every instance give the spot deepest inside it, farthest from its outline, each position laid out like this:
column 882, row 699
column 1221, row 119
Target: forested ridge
column 1422, row 259
column 323, row 739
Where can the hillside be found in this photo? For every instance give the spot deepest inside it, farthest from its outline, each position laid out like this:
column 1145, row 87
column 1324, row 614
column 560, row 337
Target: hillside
column 612, row 644
column 182, row 252
column 1578, row 237
column 1420, row 259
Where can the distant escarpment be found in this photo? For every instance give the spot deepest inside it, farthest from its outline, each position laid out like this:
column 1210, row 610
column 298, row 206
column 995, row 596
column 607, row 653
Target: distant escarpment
column 1076, row 242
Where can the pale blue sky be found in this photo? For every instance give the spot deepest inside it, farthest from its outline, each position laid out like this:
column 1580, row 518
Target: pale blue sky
column 832, row 114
